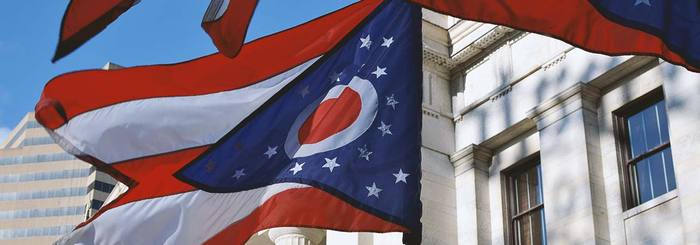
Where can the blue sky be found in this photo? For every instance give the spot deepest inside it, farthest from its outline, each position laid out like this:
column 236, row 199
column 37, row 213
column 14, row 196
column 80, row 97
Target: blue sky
column 153, row 32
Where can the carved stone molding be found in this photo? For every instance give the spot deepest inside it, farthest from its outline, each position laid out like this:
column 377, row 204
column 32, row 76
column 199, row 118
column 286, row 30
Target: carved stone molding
column 472, row 50
column 579, row 96
column 471, row 157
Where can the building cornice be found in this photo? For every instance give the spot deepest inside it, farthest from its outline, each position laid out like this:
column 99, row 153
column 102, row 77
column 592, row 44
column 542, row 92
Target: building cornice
column 472, row 50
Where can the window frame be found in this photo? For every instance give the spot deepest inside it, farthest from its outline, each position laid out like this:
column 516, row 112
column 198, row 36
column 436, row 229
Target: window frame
column 628, row 185
column 508, row 177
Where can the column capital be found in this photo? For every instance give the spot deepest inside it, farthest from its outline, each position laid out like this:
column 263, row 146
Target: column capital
column 579, row 96
column 295, row 235
column 472, row 156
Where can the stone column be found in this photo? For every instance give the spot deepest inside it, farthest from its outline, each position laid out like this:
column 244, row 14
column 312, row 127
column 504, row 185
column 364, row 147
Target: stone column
column 683, row 105
column 472, row 177
column 572, row 178
column 295, row 236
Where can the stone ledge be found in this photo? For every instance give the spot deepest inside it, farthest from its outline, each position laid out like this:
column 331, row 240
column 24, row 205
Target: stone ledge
column 650, row 204
column 472, row 156
column 578, row 96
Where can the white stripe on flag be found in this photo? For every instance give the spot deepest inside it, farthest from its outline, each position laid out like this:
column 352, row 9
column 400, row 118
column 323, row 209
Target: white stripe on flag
column 187, row 218
column 152, row 126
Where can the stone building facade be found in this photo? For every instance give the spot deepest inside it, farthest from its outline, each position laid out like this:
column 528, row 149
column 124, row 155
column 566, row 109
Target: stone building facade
column 529, row 140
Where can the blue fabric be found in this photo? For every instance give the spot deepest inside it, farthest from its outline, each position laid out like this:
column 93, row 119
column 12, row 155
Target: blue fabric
column 677, row 22
column 244, row 148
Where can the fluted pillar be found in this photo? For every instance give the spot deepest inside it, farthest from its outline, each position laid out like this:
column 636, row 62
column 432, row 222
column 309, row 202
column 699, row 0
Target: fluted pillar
column 295, row 236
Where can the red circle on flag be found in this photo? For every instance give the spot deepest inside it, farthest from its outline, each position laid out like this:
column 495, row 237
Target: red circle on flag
column 340, row 117
column 331, row 117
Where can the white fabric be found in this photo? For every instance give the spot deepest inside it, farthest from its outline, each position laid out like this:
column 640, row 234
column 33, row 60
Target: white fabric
column 222, row 9
column 187, row 218
column 159, row 125
column 117, row 191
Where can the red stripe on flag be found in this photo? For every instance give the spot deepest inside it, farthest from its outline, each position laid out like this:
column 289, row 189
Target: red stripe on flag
column 576, row 22
column 71, row 94
column 84, row 19
column 306, row 207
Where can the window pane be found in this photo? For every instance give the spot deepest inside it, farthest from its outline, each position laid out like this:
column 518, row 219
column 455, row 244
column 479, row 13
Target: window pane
column 635, row 125
column 530, row 229
column 652, row 175
column 651, row 128
column 533, row 187
column 525, row 232
column 527, row 227
column 658, row 177
column 521, row 193
column 537, row 220
column 643, row 181
column 670, row 172
column 663, row 121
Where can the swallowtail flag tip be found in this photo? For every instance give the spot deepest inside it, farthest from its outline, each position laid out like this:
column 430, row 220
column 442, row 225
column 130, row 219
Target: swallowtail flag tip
column 226, row 22
column 83, row 19
column 665, row 29
column 215, row 149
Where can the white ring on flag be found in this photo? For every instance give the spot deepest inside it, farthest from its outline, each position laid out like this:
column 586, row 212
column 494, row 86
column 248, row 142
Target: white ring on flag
column 368, row 111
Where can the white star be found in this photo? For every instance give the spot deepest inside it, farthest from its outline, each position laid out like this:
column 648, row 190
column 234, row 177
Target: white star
column 304, row 91
column 387, row 42
column 390, row 101
column 239, row 173
column 335, row 77
column 638, row 2
column 384, row 128
column 400, row 176
column 271, row 151
column 366, row 42
column 379, row 72
column 297, row 168
column 373, row 190
column 331, row 164
column 364, row 153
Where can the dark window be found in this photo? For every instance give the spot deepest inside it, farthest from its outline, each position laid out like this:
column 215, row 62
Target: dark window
column 525, row 204
column 101, row 186
column 645, row 149
column 96, row 204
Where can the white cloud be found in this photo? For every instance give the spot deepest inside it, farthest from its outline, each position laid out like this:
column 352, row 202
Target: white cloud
column 3, row 133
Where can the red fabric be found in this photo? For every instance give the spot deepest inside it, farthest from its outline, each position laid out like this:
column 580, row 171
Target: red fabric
column 327, row 121
column 83, row 19
column 154, row 177
column 319, row 209
column 71, row 94
column 149, row 177
column 574, row 21
column 228, row 32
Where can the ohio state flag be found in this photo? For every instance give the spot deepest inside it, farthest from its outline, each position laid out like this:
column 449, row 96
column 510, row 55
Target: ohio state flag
column 317, row 126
